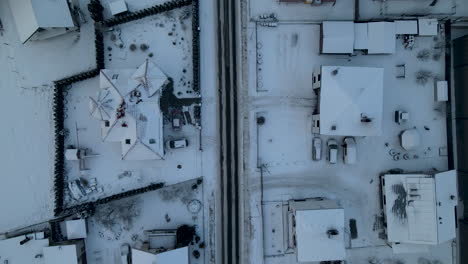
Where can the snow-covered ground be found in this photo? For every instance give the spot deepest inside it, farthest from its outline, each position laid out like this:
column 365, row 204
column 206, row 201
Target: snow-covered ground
column 27, row 154
column 125, row 221
column 280, row 64
column 27, row 72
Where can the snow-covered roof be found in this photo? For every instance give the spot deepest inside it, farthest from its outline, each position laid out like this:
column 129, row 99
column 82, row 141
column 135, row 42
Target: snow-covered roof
column 410, row 139
column 408, row 27
column 361, row 39
column 179, row 256
column 31, row 15
column 382, row 38
column 428, row 26
column 338, row 37
column 128, row 107
column 419, row 208
column 349, row 95
column 143, row 257
column 76, row 229
column 60, row 254
column 313, row 242
column 11, row 250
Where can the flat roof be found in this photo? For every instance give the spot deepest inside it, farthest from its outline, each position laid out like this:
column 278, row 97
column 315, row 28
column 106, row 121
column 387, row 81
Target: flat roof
column 338, row 37
column 11, row 250
column 313, row 243
column 61, row 254
column 179, row 256
column 382, row 38
column 76, row 229
column 348, row 94
column 418, row 207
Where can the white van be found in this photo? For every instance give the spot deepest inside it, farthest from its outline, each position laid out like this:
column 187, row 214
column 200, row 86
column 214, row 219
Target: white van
column 349, row 150
column 332, row 151
column 317, row 148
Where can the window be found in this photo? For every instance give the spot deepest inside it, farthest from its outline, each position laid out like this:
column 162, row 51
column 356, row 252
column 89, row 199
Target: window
column 115, row 76
column 106, row 123
column 152, row 141
column 127, row 141
column 314, row 79
column 319, row 77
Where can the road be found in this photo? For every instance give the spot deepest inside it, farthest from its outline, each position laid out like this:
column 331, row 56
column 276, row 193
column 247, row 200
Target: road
column 228, row 88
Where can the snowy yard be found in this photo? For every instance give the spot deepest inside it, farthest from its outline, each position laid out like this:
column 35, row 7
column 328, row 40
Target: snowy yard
column 27, row 154
column 125, row 221
column 283, row 59
column 28, row 72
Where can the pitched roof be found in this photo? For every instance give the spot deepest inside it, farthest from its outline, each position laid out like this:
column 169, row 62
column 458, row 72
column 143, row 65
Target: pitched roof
column 30, row 15
column 347, row 95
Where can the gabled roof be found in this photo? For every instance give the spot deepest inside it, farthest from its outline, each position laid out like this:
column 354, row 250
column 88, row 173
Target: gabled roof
column 151, row 77
column 30, row 15
column 347, row 96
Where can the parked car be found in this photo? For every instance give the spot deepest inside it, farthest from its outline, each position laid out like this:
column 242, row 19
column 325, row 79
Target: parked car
column 332, row 151
column 317, row 148
column 178, row 143
column 349, row 150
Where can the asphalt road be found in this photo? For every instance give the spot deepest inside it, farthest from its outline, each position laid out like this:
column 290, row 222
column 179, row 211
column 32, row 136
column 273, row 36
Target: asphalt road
column 228, row 87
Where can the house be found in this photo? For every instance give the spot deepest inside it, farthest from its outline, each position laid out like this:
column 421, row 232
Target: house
column 41, row 19
column 316, row 230
column 350, row 101
column 419, row 209
column 128, row 108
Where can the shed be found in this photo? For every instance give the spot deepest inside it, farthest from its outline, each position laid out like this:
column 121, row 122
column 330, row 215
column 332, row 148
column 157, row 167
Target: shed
column 350, row 101
column 46, row 18
column 76, row 229
column 337, row 37
column 382, row 38
column 441, row 91
column 317, row 227
column 118, row 7
column 420, row 208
